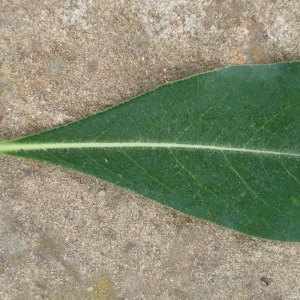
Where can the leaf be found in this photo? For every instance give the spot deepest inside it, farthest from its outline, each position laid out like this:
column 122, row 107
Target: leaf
column 222, row 146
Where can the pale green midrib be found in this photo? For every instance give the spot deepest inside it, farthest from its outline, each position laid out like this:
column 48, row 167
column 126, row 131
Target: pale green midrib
column 10, row 147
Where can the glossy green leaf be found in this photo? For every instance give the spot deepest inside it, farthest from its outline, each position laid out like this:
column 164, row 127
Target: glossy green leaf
column 223, row 146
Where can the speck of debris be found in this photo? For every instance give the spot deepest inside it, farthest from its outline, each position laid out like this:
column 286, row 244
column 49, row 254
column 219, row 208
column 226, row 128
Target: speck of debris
column 265, row 280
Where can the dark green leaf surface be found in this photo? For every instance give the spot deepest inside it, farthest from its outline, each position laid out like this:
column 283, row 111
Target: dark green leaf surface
column 223, row 146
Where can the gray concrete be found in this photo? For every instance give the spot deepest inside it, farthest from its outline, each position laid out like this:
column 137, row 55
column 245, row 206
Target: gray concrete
column 67, row 236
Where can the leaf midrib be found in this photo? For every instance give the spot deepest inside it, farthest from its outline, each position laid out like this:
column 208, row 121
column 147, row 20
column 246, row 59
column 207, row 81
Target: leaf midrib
column 11, row 147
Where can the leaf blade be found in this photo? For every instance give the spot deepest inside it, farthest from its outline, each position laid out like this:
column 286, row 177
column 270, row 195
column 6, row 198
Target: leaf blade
column 222, row 146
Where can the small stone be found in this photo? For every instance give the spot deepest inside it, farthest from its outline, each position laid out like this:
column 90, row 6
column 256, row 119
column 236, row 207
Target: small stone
column 102, row 194
column 90, row 289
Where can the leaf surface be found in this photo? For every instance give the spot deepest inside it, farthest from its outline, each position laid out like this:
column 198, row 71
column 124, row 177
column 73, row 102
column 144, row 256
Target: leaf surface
column 223, row 146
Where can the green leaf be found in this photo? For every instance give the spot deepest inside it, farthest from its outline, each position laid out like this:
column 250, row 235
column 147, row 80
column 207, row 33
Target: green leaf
column 222, row 146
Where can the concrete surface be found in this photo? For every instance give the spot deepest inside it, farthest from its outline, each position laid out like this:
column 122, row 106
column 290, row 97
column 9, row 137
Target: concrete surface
column 68, row 236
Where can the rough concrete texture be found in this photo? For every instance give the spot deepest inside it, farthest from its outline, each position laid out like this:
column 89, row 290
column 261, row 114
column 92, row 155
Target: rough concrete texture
column 69, row 236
